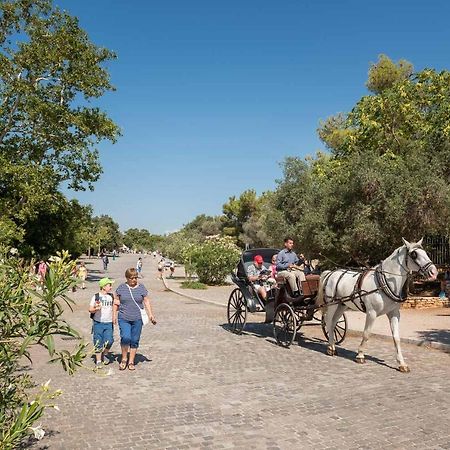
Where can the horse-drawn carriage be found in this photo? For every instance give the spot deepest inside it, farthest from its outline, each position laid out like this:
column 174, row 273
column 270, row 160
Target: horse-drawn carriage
column 286, row 312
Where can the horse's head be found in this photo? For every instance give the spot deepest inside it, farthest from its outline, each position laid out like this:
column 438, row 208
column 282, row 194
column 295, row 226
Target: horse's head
column 417, row 260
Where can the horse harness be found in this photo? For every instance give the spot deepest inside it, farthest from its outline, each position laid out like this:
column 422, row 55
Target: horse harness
column 380, row 276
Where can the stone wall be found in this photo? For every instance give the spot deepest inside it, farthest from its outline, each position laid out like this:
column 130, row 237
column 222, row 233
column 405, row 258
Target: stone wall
column 426, row 302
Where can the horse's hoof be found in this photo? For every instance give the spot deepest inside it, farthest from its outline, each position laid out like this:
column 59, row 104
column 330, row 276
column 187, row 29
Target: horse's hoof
column 404, row 369
column 331, row 352
column 360, row 360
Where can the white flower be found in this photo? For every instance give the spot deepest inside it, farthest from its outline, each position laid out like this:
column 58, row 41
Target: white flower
column 38, row 432
column 45, row 386
column 14, row 251
column 56, row 407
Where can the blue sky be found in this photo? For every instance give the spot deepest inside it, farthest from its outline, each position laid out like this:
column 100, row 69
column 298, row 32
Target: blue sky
column 212, row 95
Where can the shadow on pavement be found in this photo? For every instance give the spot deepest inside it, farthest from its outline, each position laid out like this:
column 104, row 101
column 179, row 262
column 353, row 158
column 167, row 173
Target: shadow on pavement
column 265, row 331
column 441, row 336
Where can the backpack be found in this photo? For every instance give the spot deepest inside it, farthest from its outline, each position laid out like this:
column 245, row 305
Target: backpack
column 97, row 298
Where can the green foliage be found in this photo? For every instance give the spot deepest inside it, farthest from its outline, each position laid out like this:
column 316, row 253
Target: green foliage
column 50, row 78
column 193, row 285
column 214, row 259
column 31, row 317
column 387, row 175
column 385, row 73
column 47, row 66
column 236, row 212
column 105, row 233
column 141, row 240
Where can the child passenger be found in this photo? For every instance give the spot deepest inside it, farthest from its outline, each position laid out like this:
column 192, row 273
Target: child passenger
column 101, row 307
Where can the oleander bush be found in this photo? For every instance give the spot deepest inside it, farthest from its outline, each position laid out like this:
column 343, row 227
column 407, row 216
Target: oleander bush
column 31, row 314
column 214, row 259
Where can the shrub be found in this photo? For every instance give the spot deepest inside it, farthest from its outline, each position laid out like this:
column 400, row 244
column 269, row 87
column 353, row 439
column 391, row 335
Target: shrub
column 193, row 285
column 29, row 317
column 214, row 259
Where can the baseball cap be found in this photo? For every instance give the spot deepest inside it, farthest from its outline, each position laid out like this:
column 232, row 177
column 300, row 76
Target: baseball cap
column 104, row 281
column 258, row 259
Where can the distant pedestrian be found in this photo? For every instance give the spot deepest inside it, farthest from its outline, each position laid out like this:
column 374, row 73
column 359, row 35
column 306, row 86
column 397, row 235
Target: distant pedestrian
column 105, row 260
column 172, row 268
column 160, row 269
column 114, row 254
column 82, row 274
column 42, row 271
column 101, row 309
column 74, row 274
column 139, row 267
column 130, row 299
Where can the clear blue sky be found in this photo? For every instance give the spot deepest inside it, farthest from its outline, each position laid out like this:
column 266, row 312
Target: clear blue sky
column 213, row 95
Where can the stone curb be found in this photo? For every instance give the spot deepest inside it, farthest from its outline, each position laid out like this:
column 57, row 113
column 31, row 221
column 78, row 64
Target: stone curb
column 418, row 342
column 192, row 297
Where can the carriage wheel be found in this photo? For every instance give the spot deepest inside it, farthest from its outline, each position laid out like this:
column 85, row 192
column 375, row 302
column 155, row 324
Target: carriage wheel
column 237, row 311
column 284, row 325
column 340, row 330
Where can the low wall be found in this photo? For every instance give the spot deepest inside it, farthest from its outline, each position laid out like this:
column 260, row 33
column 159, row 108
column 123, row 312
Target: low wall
column 426, row 302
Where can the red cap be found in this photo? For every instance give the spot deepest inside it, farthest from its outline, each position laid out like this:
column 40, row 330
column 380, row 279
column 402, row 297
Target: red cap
column 258, row 259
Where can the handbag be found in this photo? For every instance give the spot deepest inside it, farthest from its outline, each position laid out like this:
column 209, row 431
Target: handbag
column 144, row 315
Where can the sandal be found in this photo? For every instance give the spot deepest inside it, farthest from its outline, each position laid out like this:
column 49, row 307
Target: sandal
column 131, row 366
column 122, row 365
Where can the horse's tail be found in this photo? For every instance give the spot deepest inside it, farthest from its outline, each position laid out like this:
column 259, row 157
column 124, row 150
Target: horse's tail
column 320, row 293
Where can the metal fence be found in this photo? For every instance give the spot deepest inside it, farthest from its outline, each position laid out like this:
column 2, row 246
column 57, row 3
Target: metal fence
column 438, row 248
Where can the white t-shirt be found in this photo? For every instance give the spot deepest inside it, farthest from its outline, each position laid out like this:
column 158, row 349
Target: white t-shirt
column 105, row 313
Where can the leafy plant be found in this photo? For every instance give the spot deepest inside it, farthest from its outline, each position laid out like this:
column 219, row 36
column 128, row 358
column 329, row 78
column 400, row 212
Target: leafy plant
column 214, row 259
column 31, row 315
column 193, row 285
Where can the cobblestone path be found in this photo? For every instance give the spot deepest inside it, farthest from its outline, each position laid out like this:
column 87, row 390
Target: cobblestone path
column 199, row 386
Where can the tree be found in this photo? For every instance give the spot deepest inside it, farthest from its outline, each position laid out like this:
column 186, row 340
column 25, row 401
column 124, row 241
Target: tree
column 236, row 212
column 50, row 78
column 106, row 233
column 141, row 239
column 48, row 67
column 387, row 174
column 204, row 225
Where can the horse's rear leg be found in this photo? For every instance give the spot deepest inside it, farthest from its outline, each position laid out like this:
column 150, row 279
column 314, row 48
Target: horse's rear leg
column 370, row 319
column 394, row 321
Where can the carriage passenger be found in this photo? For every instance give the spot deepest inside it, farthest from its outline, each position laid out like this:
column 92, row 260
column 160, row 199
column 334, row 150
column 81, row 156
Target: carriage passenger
column 291, row 267
column 259, row 275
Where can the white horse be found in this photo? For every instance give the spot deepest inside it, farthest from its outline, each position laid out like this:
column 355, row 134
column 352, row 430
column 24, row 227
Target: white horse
column 375, row 291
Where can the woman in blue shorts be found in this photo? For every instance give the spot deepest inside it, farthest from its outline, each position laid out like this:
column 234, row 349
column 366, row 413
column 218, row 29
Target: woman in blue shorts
column 130, row 298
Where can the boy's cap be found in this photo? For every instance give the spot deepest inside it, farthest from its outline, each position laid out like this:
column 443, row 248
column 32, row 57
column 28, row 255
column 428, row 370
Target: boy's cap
column 258, row 259
column 104, row 281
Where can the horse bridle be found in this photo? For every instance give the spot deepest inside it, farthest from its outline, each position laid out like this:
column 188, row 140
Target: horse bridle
column 413, row 255
column 380, row 275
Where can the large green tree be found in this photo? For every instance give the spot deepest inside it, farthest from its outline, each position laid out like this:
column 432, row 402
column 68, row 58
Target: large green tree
column 50, row 76
column 387, row 173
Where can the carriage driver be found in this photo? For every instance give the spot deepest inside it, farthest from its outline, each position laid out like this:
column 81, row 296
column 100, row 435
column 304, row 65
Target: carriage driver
column 259, row 275
column 288, row 265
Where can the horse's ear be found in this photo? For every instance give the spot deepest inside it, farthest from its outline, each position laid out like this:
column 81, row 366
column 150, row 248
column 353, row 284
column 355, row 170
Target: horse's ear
column 408, row 245
column 419, row 244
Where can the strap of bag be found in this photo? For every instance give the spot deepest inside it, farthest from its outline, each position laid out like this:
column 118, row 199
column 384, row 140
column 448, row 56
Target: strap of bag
column 131, row 293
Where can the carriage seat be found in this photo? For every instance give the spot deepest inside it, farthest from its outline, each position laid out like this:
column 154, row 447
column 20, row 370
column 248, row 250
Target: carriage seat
column 309, row 287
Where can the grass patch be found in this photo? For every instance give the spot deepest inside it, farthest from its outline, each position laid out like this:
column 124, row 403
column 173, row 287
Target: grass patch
column 193, row 285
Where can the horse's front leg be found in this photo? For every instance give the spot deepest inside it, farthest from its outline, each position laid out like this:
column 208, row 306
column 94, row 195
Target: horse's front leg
column 331, row 320
column 371, row 315
column 394, row 321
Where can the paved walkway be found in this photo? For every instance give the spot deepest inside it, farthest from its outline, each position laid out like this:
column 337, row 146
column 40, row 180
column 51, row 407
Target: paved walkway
column 424, row 327
column 199, row 386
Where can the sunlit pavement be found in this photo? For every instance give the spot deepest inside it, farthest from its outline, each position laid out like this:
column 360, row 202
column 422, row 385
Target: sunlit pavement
column 196, row 385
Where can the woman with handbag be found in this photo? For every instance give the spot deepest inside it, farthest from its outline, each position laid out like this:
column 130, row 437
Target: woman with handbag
column 132, row 310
